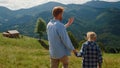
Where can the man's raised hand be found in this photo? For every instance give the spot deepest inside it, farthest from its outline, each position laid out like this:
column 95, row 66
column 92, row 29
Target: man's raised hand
column 70, row 21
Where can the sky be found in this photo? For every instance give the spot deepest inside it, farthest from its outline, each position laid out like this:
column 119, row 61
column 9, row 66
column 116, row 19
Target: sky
column 18, row 4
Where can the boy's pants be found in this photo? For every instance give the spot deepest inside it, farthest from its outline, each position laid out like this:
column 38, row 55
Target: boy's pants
column 63, row 60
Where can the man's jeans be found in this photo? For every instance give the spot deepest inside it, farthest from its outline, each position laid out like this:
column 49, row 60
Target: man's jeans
column 63, row 60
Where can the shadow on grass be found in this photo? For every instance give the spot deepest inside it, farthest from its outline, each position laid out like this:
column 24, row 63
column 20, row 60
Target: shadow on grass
column 43, row 44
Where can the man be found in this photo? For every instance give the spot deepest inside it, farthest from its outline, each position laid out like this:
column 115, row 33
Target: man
column 60, row 44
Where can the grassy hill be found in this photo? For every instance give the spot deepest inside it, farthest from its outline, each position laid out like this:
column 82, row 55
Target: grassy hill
column 26, row 52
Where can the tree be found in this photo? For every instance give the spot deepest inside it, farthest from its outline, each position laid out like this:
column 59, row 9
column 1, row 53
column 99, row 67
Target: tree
column 40, row 27
column 81, row 42
column 73, row 40
column 101, row 45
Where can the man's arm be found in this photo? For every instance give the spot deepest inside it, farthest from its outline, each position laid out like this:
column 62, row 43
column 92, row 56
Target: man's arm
column 65, row 38
column 70, row 21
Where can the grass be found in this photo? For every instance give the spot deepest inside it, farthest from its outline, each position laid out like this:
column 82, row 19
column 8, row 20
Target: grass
column 26, row 52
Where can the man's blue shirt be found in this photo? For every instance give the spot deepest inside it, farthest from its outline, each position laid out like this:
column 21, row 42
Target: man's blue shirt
column 59, row 43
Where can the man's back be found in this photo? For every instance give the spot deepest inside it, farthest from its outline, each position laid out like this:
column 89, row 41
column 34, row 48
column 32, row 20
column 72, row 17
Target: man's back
column 59, row 41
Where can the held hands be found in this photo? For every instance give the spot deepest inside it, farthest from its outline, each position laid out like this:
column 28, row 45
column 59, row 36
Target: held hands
column 70, row 21
column 75, row 52
column 99, row 66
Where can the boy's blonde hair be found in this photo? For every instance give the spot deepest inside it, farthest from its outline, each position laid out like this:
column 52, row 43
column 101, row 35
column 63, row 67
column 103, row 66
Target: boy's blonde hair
column 91, row 35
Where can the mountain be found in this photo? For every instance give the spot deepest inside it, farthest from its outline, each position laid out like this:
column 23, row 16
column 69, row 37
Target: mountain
column 5, row 14
column 37, row 9
column 102, row 4
column 99, row 16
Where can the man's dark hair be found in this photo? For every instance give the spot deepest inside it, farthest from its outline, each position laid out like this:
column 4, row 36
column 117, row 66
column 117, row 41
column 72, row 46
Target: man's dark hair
column 57, row 10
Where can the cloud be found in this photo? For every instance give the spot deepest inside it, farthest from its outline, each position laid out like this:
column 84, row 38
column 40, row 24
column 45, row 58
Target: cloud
column 18, row 4
column 73, row 1
column 4, row 1
column 111, row 0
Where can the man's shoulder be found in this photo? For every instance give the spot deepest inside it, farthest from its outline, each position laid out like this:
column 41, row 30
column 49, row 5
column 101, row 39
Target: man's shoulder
column 49, row 24
column 55, row 23
column 59, row 25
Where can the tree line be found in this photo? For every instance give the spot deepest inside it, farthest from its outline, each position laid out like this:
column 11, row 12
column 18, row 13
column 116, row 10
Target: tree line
column 40, row 29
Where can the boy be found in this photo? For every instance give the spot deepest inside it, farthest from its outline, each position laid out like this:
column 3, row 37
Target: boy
column 90, row 52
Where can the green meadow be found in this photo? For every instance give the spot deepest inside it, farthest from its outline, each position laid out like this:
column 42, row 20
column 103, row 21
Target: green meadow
column 27, row 52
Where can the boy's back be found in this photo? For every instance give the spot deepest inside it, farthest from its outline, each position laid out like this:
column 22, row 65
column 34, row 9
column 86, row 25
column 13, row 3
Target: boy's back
column 91, row 53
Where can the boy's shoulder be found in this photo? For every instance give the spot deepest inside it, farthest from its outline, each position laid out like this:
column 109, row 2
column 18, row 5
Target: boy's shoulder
column 87, row 43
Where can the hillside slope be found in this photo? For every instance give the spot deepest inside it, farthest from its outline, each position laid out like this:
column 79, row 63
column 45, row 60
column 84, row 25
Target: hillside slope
column 26, row 52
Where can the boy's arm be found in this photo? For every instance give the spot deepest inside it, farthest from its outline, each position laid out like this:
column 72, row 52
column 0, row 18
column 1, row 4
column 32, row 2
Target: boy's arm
column 82, row 51
column 100, row 59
